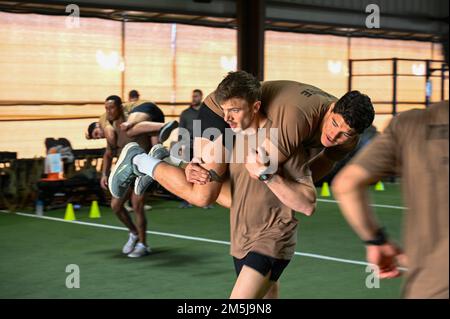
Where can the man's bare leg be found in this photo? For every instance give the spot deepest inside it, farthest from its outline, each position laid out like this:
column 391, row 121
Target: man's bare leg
column 117, row 205
column 141, row 221
column 170, row 177
column 174, row 180
column 250, row 284
column 139, row 123
column 144, row 128
column 274, row 291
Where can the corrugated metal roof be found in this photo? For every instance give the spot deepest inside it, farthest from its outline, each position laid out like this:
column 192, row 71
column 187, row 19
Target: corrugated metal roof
column 405, row 19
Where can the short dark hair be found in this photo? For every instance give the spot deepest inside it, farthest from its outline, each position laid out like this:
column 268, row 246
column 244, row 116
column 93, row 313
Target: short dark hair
column 356, row 109
column 198, row 91
column 91, row 128
column 117, row 100
column 239, row 84
column 133, row 94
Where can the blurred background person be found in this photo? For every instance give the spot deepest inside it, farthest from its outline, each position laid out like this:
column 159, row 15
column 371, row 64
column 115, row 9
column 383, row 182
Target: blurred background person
column 187, row 118
column 415, row 145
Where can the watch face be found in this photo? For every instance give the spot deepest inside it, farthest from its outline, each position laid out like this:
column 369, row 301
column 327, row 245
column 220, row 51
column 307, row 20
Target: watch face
column 263, row 177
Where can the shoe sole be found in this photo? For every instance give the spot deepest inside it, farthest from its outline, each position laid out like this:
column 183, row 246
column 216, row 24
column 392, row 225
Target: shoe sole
column 121, row 158
column 166, row 131
column 130, row 250
column 146, row 254
column 127, row 253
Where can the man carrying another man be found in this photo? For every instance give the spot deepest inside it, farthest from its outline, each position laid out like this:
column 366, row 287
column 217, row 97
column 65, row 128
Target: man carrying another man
column 264, row 239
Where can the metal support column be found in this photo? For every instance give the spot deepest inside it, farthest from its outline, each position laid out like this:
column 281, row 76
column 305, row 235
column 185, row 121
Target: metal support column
column 250, row 20
column 443, row 81
column 394, row 85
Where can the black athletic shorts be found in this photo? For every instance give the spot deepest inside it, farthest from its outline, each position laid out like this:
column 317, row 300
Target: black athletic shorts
column 262, row 264
column 155, row 113
column 209, row 119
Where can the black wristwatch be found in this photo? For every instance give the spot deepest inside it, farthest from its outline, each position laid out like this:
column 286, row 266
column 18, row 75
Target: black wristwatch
column 265, row 177
column 379, row 239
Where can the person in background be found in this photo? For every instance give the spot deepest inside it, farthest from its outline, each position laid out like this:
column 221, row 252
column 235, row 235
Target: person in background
column 187, row 118
column 133, row 96
column 415, row 146
column 136, row 245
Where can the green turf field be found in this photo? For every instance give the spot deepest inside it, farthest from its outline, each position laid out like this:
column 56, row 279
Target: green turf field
column 190, row 256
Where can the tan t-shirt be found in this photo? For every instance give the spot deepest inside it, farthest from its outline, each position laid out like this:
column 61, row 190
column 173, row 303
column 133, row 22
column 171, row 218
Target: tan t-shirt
column 415, row 145
column 297, row 110
column 258, row 220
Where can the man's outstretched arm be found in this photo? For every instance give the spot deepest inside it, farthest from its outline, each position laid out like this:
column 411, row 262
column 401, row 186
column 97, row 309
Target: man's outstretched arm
column 350, row 189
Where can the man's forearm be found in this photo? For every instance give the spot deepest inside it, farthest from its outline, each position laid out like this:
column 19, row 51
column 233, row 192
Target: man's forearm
column 224, row 198
column 299, row 196
column 350, row 189
column 107, row 162
column 356, row 210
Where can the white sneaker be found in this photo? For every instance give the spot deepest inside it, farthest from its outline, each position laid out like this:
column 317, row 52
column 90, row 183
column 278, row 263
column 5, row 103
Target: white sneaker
column 127, row 207
column 129, row 246
column 139, row 251
column 130, row 209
